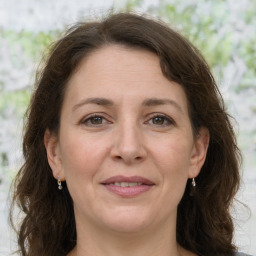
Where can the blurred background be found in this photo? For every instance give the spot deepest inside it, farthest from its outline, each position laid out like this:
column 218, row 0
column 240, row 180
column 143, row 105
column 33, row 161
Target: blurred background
column 224, row 31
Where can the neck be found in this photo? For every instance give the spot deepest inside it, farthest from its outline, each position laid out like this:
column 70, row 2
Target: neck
column 147, row 242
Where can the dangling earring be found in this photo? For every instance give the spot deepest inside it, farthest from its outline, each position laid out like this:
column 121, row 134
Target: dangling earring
column 193, row 182
column 59, row 183
column 192, row 187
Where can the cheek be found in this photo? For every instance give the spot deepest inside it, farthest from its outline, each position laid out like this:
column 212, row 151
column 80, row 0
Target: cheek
column 173, row 159
column 81, row 155
column 174, row 154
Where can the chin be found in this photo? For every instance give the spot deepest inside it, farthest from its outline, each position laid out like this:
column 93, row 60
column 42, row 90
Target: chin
column 128, row 220
column 128, row 227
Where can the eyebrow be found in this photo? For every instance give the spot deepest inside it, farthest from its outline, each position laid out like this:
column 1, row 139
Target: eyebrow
column 97, row 101
column 147, row 103
column 156, row 102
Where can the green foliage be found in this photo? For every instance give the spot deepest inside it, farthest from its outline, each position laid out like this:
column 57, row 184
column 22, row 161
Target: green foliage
column 249, row 52
column 25, row 48
column 130, row 5
column 32, row 44
column 17, row 101
column 249, row 15
column 213, row 31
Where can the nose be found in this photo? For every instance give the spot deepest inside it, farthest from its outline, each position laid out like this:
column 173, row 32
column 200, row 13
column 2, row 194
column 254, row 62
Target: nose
column 128, row 144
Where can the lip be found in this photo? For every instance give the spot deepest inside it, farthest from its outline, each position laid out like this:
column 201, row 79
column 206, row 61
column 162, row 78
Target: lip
column 120, row 178
column 128, row 192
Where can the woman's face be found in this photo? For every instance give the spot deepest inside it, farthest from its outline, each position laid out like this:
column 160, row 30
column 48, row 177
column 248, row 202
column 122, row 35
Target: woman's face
column 125, row 145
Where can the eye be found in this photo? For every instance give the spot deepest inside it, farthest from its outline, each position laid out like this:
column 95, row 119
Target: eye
column 160, row 120
column 94, row 120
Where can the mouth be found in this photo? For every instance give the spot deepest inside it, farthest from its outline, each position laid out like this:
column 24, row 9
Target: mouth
column 128, row 186
column 125, row 184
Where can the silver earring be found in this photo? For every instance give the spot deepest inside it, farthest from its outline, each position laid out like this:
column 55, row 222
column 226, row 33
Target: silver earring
column 59, row 183
column 192, row 187
column 193, row 182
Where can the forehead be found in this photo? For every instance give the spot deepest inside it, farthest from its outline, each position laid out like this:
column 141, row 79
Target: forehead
column 120, row 58
column 119, row 71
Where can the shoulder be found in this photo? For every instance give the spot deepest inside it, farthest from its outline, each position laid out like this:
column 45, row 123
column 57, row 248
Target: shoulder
column 241, row 254
column 234, row 254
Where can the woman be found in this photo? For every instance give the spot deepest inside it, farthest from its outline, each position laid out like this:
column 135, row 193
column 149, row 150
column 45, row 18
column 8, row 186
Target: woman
column 128, row 147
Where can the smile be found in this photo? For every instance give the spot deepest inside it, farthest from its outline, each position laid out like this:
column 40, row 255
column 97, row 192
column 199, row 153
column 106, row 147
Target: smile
column 127, row 186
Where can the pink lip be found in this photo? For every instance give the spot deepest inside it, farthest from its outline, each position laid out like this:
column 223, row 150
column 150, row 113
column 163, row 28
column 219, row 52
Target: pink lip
column 128, row 191
column 120, row 178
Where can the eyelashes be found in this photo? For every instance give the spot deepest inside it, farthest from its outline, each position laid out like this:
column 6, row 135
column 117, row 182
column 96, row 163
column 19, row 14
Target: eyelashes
column 95, row 119
column 160, row 120
column 100, row 119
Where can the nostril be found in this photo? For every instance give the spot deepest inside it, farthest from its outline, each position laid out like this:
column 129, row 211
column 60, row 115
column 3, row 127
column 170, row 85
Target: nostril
column 138, row 158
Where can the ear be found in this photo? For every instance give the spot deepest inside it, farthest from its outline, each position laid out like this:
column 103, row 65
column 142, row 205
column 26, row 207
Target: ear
column 199, row 152
column 53, row 154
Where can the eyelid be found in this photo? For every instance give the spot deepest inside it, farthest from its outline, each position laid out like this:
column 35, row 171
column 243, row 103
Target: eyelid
column 85, row 119
column 166, row 117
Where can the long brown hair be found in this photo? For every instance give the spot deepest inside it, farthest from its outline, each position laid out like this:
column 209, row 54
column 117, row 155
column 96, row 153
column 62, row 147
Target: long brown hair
column 204, row 224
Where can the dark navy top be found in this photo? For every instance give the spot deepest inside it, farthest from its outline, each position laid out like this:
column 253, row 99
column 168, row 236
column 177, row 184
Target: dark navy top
column 242, row 254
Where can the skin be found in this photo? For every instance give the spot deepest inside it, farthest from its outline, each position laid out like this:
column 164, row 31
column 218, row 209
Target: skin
column 135, row 135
